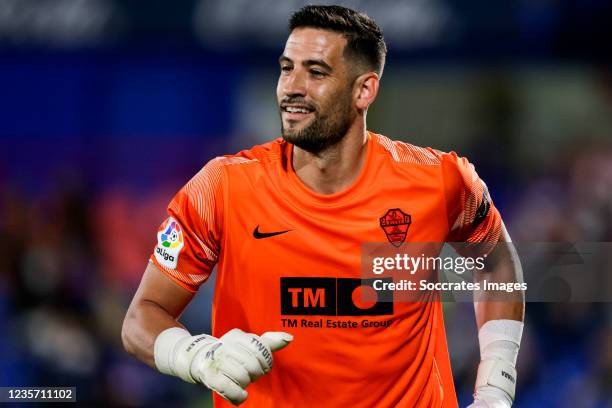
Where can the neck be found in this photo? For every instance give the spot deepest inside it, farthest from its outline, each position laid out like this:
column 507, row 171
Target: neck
column 336, row 168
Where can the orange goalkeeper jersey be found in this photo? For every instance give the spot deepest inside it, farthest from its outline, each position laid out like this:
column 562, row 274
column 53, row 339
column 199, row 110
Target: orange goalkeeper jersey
column 289, row 260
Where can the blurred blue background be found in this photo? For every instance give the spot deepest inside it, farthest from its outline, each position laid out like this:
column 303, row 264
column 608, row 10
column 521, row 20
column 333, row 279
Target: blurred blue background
column 108, row 107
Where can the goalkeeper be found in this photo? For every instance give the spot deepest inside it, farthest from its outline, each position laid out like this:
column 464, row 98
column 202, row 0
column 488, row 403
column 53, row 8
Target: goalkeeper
column 284, row 223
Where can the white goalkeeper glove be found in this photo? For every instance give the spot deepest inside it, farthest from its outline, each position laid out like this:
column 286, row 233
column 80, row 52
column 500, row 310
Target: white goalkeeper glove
column 225, row 365
column 496, row 380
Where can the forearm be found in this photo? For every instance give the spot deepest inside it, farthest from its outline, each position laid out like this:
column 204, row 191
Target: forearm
column 503, row 266
column 496, row 310
column 499, row 315
column 143, row 323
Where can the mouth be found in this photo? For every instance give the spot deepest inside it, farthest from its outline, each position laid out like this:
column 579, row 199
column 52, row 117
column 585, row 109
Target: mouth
column 295, row 112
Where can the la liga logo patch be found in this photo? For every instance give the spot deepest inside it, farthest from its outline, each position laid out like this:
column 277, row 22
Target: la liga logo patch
column 169, row 243
column 172, row 237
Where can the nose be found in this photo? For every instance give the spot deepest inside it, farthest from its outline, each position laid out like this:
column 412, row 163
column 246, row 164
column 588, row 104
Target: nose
column 294, row 84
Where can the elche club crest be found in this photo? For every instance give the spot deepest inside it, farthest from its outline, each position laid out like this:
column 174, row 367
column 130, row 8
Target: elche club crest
column 395, row 224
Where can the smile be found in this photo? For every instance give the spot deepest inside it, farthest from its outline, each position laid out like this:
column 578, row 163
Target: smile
column 296, row 113
column 293, row 109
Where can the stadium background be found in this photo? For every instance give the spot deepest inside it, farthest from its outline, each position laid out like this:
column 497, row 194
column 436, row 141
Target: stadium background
column 108, row 107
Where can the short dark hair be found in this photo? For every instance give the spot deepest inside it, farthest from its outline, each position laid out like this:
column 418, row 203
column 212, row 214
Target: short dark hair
column 364, row 38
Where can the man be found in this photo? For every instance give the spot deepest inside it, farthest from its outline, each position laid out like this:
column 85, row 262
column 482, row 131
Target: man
column 284, row 222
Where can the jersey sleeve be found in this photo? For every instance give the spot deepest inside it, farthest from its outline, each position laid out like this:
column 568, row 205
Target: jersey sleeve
column 472, row 217
column 188, row 241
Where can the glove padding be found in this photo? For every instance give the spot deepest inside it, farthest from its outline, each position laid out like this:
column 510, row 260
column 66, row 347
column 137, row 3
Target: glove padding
column 496, row 380
column 229, row 364
column 479, row 403
column 491, row 397
column 495, row 385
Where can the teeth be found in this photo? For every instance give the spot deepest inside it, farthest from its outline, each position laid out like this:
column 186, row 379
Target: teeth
column 296, row 110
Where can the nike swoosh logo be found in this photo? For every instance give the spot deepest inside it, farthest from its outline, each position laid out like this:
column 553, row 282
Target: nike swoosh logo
column 260, row 235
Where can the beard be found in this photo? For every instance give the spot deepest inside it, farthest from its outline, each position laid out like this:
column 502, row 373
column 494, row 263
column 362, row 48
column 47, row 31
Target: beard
column 325, row 130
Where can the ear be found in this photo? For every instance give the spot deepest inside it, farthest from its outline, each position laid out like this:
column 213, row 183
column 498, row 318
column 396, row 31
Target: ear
column 365, row 90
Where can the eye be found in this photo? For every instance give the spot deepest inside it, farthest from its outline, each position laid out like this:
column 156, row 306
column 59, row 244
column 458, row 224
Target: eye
column 317, row 74
column 286, row 68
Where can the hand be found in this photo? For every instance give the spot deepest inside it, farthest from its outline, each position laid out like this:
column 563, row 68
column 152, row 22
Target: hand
column 228, row 365
column 225, row 365
column 491, row 397
column 496, row 379
column 478, row 404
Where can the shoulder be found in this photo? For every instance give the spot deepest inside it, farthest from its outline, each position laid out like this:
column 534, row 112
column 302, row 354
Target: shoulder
column 269, row 152
column 456, row 170
column 258, row 155
column 403, row 152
